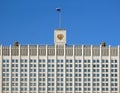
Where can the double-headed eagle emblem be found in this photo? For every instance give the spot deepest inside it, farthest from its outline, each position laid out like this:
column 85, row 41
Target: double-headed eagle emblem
column 60, row 36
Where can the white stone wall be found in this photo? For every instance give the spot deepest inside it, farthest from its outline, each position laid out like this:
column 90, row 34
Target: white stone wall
column 70, row 53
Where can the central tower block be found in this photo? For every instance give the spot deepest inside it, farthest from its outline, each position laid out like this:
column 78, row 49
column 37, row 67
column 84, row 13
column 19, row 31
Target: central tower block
column 60, row 37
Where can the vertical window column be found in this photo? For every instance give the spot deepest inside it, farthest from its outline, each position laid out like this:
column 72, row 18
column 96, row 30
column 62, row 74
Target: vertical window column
column 1, row 63
column 100, row 70
column 109, row 65
column 28, row 70
column 10, row 71
column 55, row 69
column 46, row 71
column 64, row 69
column 118, row 69
column 82, row 66
column 19, row 70
column 37, row 72
column 73, row 66
column 91, row 68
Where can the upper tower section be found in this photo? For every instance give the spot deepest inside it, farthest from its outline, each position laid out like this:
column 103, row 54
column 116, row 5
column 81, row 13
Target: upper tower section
column 60, row 37
column 60, row 33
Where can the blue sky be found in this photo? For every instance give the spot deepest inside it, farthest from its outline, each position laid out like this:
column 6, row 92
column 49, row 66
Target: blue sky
column 86, row 21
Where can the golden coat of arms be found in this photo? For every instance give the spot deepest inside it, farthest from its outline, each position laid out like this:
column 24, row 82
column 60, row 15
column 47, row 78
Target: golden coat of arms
column 60, row 36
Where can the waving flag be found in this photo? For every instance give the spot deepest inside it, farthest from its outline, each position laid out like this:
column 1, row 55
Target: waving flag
column 58, row 9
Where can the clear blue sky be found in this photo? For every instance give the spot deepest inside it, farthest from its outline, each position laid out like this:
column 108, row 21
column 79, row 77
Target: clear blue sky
column 86, row 21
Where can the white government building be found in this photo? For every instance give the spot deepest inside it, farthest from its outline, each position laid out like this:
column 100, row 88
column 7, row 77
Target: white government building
column 59, row 68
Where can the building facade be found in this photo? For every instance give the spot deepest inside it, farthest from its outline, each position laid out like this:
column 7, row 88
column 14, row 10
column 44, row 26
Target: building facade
column 59, row 68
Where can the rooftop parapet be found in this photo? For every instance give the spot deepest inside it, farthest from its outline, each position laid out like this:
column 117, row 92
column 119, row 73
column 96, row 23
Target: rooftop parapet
column 58, row 50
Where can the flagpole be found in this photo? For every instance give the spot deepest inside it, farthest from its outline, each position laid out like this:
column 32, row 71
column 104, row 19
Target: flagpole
column 60, row 20
column 59, row 17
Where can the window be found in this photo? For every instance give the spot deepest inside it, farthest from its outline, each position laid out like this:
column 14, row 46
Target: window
column 12, row 60
column 97, row 65
column 58, row 65
column 25, row 60
column 88, row 70
column 70, row 61
column 34, row 65
column 97, row 61
column 85, row 61
column 16, row 65
column 43, row 65
column 115, row 61
column 58, row 60
column 103, row 61
column 88, row 65
column 25, row 65
column 76, row 65
column 85, row 65
column 31, row 60
column 40, row 60
column 66, row 60
column 67, row 65
column 52, row 60
column 106, row 61
column 34, row 60
column 103, row 65
column 16, row 61
column 52, row 65
column 3, row 60
column 88, row 61
column 49, row 60
column 106, row 65
column 85, row 70
column 21, row 65
column 93, row 61
column 112, row 61
column 70, row 65
column 43, row 60
column 3, row 65
column 12, row 65
column 49, row 65
column 98, row 89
